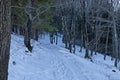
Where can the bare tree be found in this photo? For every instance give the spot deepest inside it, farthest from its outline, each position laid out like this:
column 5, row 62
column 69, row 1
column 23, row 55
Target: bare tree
column 97, row 19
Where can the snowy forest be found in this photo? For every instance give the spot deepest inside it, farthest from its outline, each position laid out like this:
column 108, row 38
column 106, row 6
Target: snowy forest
column 59, row 39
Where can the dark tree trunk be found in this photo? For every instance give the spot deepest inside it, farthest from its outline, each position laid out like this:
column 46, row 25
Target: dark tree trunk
column 28, row 35
column 81, row 42
column 14, row 22
column 91, row 53
column 70, row 41
column 73, row 30
column 85, row 31
column 51, row 37
column 56, row 38
column 65, row 38
column 22, row 31
column 66, row 42
column 70, row 47
column 116, row 46
column 74, row 46
column 5, row 31
column 36, row 34
column 15, row 29
column 86, row 51
column 106, row 45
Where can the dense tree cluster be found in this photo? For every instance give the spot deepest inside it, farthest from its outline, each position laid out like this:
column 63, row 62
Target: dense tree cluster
column 92, row 24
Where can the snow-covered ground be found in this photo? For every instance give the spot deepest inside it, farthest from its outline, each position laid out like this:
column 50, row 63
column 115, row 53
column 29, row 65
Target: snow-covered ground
column 54, row 62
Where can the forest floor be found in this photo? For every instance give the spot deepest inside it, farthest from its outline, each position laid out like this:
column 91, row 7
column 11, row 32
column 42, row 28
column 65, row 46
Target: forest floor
column 54, row 62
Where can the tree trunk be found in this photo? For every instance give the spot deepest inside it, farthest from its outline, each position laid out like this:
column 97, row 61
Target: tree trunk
column 70, row 47
column 91, row 53
column 5, row 31
column 65, row 32
column 28, row 35
column 36, row 34
column 51, row 37
column 56, row 38
column 15, row 29
column 81, row 41
column 85, row 30
column 106, row 46
column 115, row 42
column 86, row 51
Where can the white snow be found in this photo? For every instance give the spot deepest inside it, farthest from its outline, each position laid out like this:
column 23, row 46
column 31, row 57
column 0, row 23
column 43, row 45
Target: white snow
column 54, row 62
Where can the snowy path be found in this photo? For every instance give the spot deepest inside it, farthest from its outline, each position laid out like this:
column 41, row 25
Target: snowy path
column 74, row 66
column 64, row 65
column 60, row 70
column 53, row 62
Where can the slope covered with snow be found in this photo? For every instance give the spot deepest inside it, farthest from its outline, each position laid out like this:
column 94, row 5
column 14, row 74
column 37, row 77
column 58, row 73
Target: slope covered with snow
column 54, row 62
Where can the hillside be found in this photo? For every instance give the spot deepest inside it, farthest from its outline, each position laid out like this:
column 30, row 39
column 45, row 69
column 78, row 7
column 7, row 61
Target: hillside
column 54, row 62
